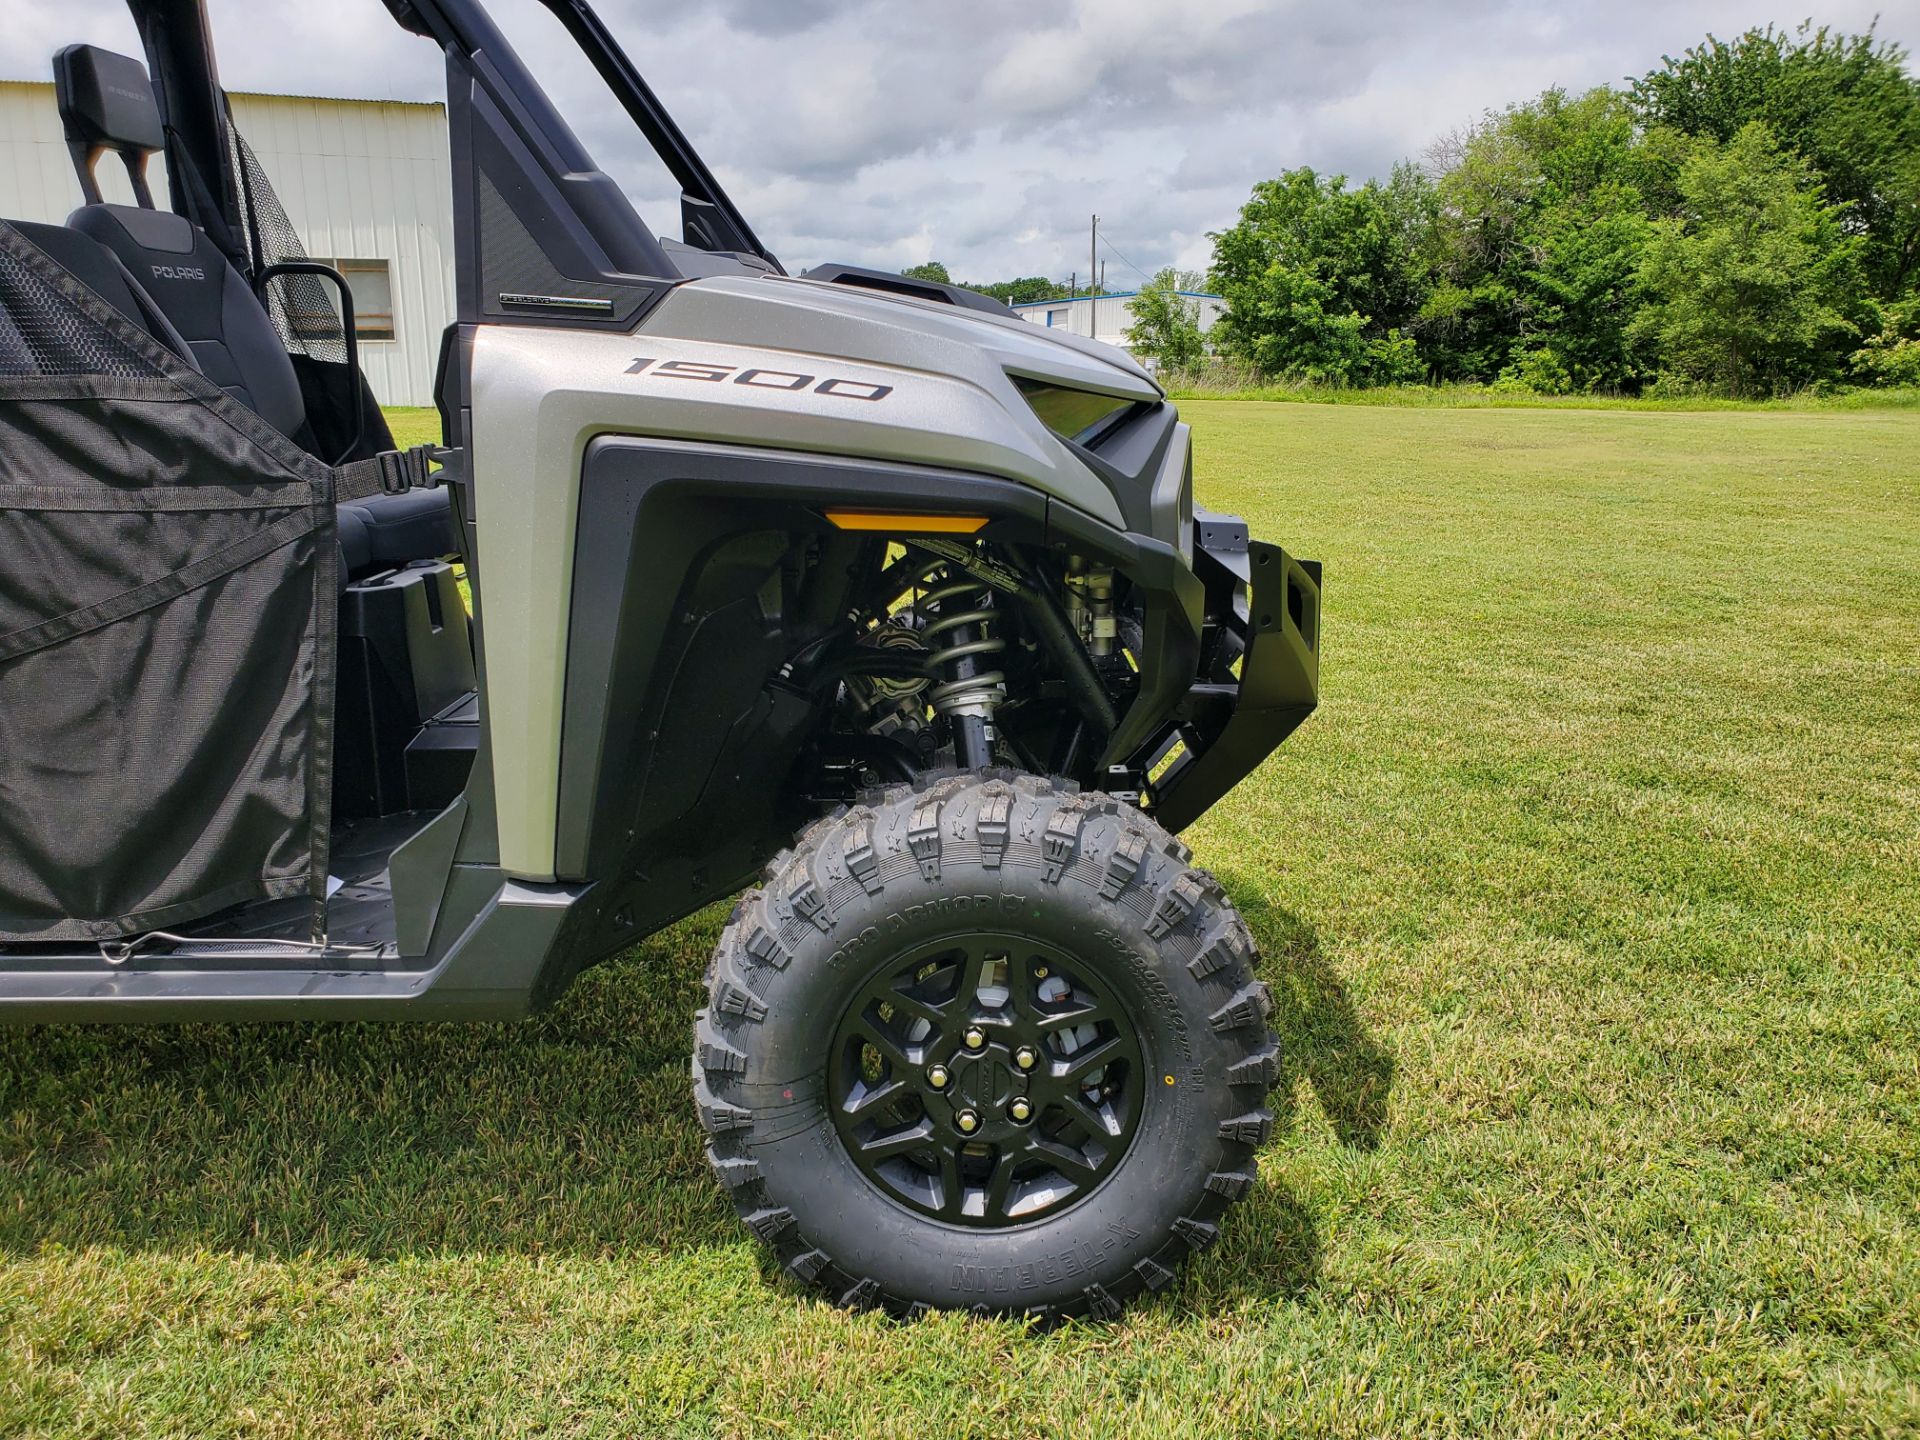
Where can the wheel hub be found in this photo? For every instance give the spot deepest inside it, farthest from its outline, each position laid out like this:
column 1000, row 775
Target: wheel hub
column 986, row 1084
column 988, row 1080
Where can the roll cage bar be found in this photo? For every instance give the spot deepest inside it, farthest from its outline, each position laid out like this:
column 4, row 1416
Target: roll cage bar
column 511, row 146
column 706, row 210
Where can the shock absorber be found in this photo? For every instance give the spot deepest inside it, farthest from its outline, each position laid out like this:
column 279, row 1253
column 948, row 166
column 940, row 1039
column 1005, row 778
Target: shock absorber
column 959, row 640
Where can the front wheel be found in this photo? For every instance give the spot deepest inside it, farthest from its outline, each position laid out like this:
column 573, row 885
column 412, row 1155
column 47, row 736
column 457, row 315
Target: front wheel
column 985, row 1044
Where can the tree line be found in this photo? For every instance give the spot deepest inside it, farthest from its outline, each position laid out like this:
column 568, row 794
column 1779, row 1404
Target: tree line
column 1744, row 218
column 1023, row 291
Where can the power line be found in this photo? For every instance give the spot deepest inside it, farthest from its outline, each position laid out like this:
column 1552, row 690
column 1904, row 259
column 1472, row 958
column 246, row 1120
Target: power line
column 1111, row 250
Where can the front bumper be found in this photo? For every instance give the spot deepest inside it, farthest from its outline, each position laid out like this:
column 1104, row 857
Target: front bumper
column 1259, row 671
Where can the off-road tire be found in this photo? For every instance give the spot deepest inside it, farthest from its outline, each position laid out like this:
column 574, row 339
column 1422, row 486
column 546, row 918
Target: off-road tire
column 1001, row 851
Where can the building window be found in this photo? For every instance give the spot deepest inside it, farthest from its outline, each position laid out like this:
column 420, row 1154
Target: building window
column 372, row 287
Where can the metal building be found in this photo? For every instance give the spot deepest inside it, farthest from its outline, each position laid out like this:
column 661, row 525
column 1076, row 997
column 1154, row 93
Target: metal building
column 364, row 182
column 1109, row 317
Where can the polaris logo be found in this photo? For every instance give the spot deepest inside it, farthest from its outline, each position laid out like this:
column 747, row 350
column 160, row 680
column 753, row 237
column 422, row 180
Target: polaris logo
column 557, row 302
column 178, row 272
column 758, row 378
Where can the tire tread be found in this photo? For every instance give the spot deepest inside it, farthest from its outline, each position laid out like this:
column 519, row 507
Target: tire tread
column 1146, row 876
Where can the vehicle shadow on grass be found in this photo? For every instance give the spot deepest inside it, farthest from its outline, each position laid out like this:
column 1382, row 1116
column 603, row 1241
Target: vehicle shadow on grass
column 1270, row 1246
column 1323, row 1041
column 568, row 1134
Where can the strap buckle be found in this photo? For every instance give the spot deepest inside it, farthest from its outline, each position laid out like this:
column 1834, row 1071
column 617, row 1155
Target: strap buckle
column 410, row 469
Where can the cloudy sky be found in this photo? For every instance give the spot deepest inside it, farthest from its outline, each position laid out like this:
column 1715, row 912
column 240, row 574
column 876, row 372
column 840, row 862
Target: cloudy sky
column 983, row 134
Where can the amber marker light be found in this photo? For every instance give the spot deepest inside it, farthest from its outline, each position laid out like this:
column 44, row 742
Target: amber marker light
column 898, row 523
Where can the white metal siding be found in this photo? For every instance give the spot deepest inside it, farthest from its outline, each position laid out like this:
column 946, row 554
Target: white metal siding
column 361, row 180
column 1112, row 318
column 1109, row 317
column 366, row 180
column 36, row 178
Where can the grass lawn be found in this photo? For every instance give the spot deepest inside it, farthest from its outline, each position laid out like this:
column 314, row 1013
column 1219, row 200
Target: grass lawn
column 1591, row 901
column 414, row 426
column 1486, row 397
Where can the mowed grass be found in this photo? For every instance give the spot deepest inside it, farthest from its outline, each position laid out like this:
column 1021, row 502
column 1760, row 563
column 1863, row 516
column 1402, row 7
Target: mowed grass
column 1590, row 899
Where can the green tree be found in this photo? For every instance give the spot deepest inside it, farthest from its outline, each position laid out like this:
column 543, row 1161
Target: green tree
column 1844, row 102
column 1320, row 279
column 932, row 270
column 1166, row 324
column 1534, row 247
column 1750, row 283
column 1582, row 291
column 1023, row 291
column 1891, row 356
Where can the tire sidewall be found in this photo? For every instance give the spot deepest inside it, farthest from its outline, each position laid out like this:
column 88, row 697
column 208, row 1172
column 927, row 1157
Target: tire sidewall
column 1098, row 1238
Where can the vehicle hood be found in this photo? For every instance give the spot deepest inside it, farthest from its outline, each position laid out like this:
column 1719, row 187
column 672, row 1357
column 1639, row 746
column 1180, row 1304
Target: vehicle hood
column 1021, row 348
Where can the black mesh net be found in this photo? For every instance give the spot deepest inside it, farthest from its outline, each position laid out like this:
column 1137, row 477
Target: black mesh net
column 343, row 417
column 42, row 334
column 302, row 306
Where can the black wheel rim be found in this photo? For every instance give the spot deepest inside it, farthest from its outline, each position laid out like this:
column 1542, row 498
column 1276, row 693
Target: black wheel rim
column 987, row 1080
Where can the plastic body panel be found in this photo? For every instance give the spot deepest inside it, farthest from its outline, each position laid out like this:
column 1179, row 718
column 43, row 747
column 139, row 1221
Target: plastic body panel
column 404, row 657
column 887, row 379
column 891, row 283
column 493, row 969
column 677, row 732
column 1229, row 726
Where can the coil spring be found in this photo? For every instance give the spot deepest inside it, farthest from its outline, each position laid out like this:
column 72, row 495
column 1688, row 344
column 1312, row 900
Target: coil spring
column 977, row 692
column 894, row 636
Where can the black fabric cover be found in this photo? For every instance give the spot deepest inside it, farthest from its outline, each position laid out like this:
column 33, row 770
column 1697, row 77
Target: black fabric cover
column 96, row 267
column 345, row 419
column 378, row 533
column 167, row 582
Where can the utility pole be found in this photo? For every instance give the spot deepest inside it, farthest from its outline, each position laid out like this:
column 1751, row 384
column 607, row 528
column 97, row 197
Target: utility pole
column 1093, row 269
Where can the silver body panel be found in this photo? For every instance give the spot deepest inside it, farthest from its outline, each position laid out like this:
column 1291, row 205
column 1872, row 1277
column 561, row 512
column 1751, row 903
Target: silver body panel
column 539, row 396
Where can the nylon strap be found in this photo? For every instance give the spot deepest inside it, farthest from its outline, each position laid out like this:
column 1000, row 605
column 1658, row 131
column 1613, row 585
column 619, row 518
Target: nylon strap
column 391, row 472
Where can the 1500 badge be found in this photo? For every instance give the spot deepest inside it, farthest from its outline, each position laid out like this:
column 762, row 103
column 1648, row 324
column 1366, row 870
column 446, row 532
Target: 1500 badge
column 758, row 378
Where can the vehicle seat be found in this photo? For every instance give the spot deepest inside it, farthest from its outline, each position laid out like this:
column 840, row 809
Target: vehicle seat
column 233, row 341
column 106, row 103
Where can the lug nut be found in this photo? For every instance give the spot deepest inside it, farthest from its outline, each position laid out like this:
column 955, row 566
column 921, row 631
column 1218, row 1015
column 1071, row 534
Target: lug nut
column 975, row 1038
column 938, row 1077
column 966, row 1122
column 1020, row 1109
column 1025, row 1057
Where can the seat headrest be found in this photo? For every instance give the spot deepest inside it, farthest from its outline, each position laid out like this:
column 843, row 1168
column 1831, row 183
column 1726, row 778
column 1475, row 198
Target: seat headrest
column 106, row 103
column 106, row 100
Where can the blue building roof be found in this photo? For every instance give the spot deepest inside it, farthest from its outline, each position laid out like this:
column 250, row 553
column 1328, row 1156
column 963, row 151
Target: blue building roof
column 1110, row 295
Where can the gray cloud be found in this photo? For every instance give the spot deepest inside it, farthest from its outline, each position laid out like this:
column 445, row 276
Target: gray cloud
column 777, row 17
column 889, row 132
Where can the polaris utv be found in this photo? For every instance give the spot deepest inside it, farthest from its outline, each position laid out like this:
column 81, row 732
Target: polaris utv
column 746, row 556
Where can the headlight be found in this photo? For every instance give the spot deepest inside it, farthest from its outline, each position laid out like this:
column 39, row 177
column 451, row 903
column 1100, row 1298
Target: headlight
column 1077, row 415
